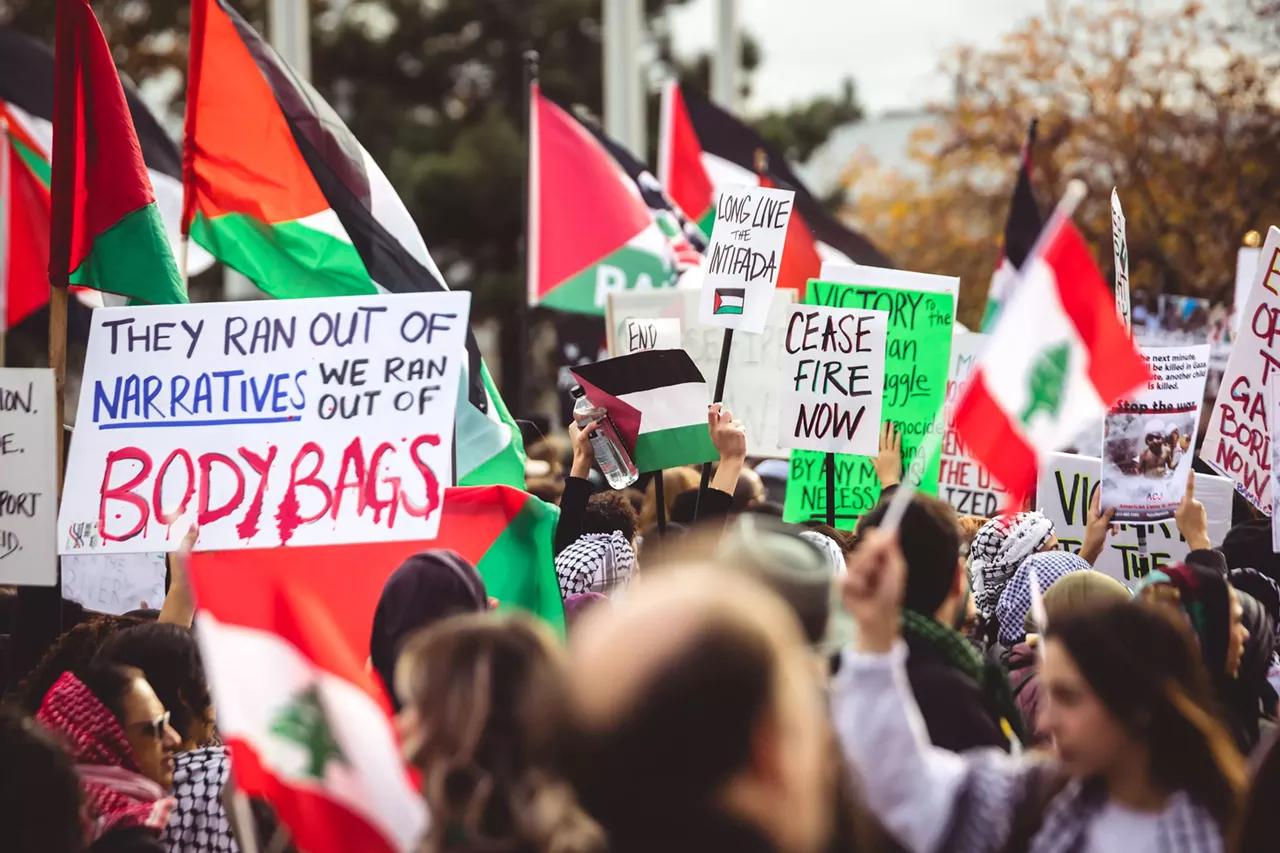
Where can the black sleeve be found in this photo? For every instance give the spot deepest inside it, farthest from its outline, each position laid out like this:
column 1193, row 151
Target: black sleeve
column 573, row 511
column 953, row 711
column 714, row 504
column 133, row 839
column 1208, row 558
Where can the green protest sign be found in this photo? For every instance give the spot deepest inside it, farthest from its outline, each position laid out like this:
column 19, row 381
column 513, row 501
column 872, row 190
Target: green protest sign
column 917, row 361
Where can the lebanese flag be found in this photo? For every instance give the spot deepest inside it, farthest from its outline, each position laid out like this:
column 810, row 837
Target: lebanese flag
column 1058, row 359
column 1021, row 228
column 106, row 232
column 590, row 231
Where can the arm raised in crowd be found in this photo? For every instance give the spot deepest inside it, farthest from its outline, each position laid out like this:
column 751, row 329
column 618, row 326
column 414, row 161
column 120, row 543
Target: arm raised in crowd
column 577, row 488
column 179, row 606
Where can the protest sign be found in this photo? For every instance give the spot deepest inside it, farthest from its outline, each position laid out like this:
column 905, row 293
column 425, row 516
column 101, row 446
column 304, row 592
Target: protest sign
column 842, row 273
column 1063, row 494
column 755, row 375
column 114, row 583
column 1120, row 254
column 962, row 481
column 741, row 264
column 835, row 379
column 1237, row 444
column 917, row 361
column 1247, row 260
column 28, row 477
column 290, row 422
column 651, row 333
column 1148, row 441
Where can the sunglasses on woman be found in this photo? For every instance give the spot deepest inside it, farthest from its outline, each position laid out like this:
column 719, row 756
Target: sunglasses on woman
column 153, row 728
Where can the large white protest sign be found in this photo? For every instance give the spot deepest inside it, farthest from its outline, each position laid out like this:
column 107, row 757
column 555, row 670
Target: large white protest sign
column 842, row 273
column 289, row 422
column 834, row 380
column 1237, row 442
column 1063, row 494
column 114, row 583
column 754, row 379
column 962, row 481
column 651, row 333
column 741, row 264
column 28, row 477
column 1149, row 441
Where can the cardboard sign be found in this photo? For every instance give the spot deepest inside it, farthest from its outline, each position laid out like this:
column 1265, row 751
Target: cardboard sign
column 114, row 583
column 741, row 264
column 289, row 422
column 1237, row 442
column 1149, row 441
column 1120, row 255
column 962, row 481
column 651, row 333
column 1063, row 494
column 917, row 361
column 754, row 381
column 893, row 279
column 28, row 477
column 835, row 379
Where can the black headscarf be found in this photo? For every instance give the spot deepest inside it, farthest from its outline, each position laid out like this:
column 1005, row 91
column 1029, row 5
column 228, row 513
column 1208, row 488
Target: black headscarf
column 426, row 588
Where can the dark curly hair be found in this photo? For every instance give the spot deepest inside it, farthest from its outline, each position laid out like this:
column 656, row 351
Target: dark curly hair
column 39, row 792
column 610, row 511
column 70, row 652
column 170, row 659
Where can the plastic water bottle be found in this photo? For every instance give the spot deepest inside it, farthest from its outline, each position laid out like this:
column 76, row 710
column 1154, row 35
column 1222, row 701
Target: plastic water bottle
column 611, row 454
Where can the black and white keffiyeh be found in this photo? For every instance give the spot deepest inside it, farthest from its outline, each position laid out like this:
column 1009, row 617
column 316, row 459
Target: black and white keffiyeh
column 999, row 548
column 199, row 823
column 595, row 562
column 1015, row 600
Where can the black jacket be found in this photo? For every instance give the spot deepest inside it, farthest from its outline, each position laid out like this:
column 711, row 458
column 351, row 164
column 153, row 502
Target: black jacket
column 577, row 491
column 954, row 708
column 132, row 839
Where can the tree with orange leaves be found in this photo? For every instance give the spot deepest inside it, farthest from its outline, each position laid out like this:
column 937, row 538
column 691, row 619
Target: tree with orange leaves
column 1170, row 108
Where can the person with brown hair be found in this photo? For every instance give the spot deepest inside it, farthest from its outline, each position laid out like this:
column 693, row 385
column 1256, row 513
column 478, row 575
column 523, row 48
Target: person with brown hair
column 1143, row 763
column 483, row 699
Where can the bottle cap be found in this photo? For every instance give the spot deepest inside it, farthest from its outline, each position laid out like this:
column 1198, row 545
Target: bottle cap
column 576, row 391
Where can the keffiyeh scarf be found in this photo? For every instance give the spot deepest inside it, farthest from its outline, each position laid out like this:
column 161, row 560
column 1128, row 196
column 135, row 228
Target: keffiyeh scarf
column 1015, row 600
column 199, row 822
column 997, row 550
column 595, row 562
column 115, row 794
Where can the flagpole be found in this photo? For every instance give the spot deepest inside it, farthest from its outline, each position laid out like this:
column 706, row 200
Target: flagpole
column 6, row 233
column 522, row 319
column 932, row 443
column 831, row 489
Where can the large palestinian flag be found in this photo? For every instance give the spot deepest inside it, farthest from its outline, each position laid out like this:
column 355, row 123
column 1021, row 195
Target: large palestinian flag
column 26, row 104
column 590, row 231
column 279, row 189
column 702, row 148
column 658, row 400
column 285, row 635
column 106, row 229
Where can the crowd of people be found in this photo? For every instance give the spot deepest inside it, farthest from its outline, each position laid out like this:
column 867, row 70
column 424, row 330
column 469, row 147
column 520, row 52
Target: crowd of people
column 729, row 682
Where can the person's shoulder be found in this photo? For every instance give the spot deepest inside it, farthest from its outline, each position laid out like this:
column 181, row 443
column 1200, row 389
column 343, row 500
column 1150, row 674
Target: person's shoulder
column 129, row 839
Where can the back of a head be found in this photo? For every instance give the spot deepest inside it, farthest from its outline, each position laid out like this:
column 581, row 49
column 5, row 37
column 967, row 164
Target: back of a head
column 73, row 650
column 610, row 511
column 169, row 657
column 490, row 698
column 426, row 588
column 1145, row 668
column 1079, row 592
column 39, row 791
column 930, row 538
column 675, row 482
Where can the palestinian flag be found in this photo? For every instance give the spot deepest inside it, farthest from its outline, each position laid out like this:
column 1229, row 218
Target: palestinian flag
column 285, row 636
column 1021, row 229
column 702, row 148
column 1058, row 360
column 26, row 103
column 658, row 401
column 590, row 231
column 279, row 189
column 106, row 229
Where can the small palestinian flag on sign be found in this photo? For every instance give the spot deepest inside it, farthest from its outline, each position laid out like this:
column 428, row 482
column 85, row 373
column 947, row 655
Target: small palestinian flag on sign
column 729, row 300
column 658, row 401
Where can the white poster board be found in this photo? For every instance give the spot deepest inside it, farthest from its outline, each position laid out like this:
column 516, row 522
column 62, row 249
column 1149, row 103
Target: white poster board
column 28, row 477
column 962, row 481
column 114, row 583
column 896, row 279
column 650, row 333
column 1247, row 259
column 284, row 422
column 755, row 372
column 834, row 380
column 1149, row 441
column 741, row 264
column 1236, row 443
column 1063, row 493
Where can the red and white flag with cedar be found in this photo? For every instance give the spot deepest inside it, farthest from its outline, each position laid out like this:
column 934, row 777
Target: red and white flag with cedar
column 1058, row 359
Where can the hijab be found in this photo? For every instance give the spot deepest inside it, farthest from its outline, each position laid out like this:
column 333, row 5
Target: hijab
column 1015, row 599
column 116, row 794
column 425, row 589
column 1203, row 596
column 999, row 548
